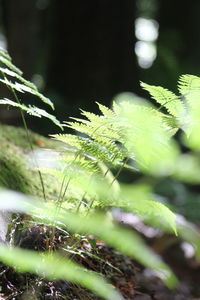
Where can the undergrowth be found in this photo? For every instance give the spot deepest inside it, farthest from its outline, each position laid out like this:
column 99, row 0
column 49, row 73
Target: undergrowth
column 132, row 134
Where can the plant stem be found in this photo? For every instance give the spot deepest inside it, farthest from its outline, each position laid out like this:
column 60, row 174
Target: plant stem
column 30, row 144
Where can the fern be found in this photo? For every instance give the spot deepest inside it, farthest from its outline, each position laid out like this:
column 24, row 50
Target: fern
column 184, row 110
column 5, row 59
column 44, row 265
column 188, row 83
column 101, row 134
column 165, row 98
column 120, row 238
column 101, row 143
column 32, row 110
column 7, row 69
column 106, row 111
column 108, row 145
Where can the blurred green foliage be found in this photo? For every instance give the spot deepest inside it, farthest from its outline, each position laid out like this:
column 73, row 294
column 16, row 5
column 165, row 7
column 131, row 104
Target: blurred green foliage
column 132, row 134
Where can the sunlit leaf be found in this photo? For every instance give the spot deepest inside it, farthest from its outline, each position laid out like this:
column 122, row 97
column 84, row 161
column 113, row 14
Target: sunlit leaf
column 165, row 98
column 120, row 238
column 55, row 267
column 22, row 88
column 187, row 169
column 140, row 200
column 146, row 138
column 32, row 110
column 192, row 128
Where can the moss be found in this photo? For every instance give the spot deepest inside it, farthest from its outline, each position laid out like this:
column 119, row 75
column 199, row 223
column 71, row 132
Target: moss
column 15, row 170
column 18, row 137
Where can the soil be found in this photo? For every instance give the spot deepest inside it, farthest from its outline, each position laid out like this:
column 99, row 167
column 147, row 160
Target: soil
column 131, row 279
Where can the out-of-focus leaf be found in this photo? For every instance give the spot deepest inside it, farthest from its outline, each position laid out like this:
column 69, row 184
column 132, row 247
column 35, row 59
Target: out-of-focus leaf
column 55, row 267
column 140, row 200
column 188, row 232
column 120, row 238
column 187, row 168
column 192, row 127
column 146, row 138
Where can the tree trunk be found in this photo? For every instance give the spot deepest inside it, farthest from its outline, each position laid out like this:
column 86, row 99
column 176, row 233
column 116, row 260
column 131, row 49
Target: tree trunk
column 16, row 171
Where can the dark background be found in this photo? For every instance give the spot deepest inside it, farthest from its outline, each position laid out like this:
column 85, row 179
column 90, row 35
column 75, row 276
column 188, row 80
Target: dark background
column 82, row 51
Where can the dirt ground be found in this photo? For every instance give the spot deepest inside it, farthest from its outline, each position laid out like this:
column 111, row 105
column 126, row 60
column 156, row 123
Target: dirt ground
column 131, row 279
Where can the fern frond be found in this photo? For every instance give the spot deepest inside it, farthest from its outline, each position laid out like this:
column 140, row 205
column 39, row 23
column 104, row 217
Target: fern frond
column 22, row 88
column 105, row 129
column 100, row 149
column 97, row 125
column 140, row 200
column 147, row 140
column 69, row 139
column 4, row 54
column 107, row 112
column 188, row 83
column 93, row 118
column 118, row 153
column 116, row 108
column 81, row 162
column 171, row 124
column 54, row 266
column 4, row 59
column 165, row 98
column 8, row 72
column 79, row 120
column 125, row 126
column 155, row 210
column 21, row 85
column 21, row 106
column 32, row 110
column 44, row 113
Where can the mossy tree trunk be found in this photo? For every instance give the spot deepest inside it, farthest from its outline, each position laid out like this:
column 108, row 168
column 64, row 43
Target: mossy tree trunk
column 16, row 171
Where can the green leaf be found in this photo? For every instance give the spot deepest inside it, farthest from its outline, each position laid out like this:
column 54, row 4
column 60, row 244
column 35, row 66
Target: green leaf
column 166, row 98
column 140, row 200
column 22, row 88
column 32, row 110
column 120, row 238
column 107, row 112
column 55, row 267
column 191, row 120
column 7, row 61
column 4, row 54
column 146, row 138
column 187, row 168
column 186, row 231
column 188, row 83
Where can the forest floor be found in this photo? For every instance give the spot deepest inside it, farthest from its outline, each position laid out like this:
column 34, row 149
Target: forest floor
column 131, row 279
